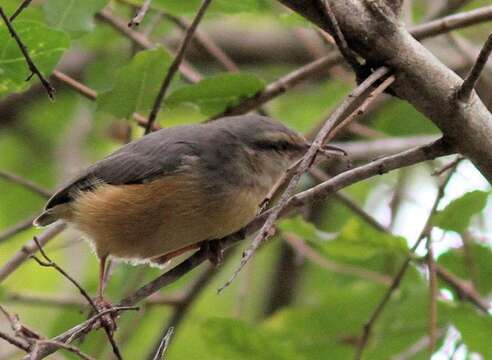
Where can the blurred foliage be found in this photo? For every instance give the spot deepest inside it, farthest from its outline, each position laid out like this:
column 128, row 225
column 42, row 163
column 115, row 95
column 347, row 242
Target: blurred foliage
column 458, row 214
column 47, row 142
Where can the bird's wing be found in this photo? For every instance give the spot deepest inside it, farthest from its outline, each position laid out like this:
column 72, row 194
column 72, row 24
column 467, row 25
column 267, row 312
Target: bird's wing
column 136, row 163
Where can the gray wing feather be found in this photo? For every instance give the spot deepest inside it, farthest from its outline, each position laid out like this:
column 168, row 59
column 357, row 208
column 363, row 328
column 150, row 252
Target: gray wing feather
column 154, row 155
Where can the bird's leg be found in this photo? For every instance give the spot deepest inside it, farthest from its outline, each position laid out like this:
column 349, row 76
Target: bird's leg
column 102, row 277
column 214, row 251
column 108, row 321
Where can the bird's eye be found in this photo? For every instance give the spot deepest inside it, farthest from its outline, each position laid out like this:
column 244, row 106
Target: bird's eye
column 280, row 145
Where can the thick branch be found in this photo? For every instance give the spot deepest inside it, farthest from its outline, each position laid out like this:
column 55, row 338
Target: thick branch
column 421, row 78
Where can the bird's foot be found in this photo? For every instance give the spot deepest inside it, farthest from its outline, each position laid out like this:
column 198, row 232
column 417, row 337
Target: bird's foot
column 214, row 251
column 107, row 321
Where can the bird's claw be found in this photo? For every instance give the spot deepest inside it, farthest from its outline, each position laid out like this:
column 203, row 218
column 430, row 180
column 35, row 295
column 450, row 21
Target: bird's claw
column 214, row 251
column 107, row 321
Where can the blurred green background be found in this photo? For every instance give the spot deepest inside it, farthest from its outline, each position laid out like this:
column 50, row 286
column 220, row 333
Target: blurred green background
column 283, row 305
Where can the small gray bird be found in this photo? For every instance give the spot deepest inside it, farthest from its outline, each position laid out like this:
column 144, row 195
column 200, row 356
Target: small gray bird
column 175, row 189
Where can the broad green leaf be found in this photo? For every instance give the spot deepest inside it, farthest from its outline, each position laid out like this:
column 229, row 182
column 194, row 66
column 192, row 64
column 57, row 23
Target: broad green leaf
column 236, row 340
column 356, row 240
column 475, row 329
column 457, row 215
column 74, row 16
column 385, row 120
column 305, row 230
column 137, row 84
column 45, row 45
column 213, row 95
column 478, row 267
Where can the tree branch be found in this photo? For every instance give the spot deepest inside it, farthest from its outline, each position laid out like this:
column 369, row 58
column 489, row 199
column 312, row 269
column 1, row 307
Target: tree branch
column 471, row 79
column 25, row 183
column 173, row 68
column 30, row 248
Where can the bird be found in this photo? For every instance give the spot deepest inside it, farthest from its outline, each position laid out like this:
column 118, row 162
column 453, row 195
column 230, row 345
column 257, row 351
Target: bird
column 176, row 189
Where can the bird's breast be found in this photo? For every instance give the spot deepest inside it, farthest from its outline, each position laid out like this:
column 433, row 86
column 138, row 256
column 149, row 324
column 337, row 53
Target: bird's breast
column 148, row 220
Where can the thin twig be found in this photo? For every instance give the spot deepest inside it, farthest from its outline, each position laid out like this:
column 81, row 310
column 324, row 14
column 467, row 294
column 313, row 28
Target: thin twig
column 28, row 249
column 207, row 43
column 321, row 176
column 161, row 350
column 464, row 289
column 30, row 63
column 448, row 166
column 14, row 341
column 34, row 339
column 142, row 41
column 60, row 345
column 17, row 228
column 337, row 34
column 137, row 19
column 307, row 161
column 433, row 293
column 173, row 68
column 76, row 332
column 25, row 183
column 181, row 308
column 401, row 272
column 50, row 263
column 420, row 32
column 21, row 8
column 465, row 91
column 91, row 94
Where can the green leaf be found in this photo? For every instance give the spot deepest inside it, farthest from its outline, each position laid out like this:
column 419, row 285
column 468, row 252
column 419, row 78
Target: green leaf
column 137, row 84
column 475, row 329
column 457, row 215
column 305, row 230
column 214, row 94
column 356, row 240
column 236, row 340
column 45, row 46
column 74, row 16
column 477, row 268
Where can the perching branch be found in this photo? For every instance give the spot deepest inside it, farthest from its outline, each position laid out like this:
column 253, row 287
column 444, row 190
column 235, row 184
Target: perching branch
column 307, row 161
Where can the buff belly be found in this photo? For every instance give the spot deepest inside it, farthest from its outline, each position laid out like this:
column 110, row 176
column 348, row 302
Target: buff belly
column 144, row 221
